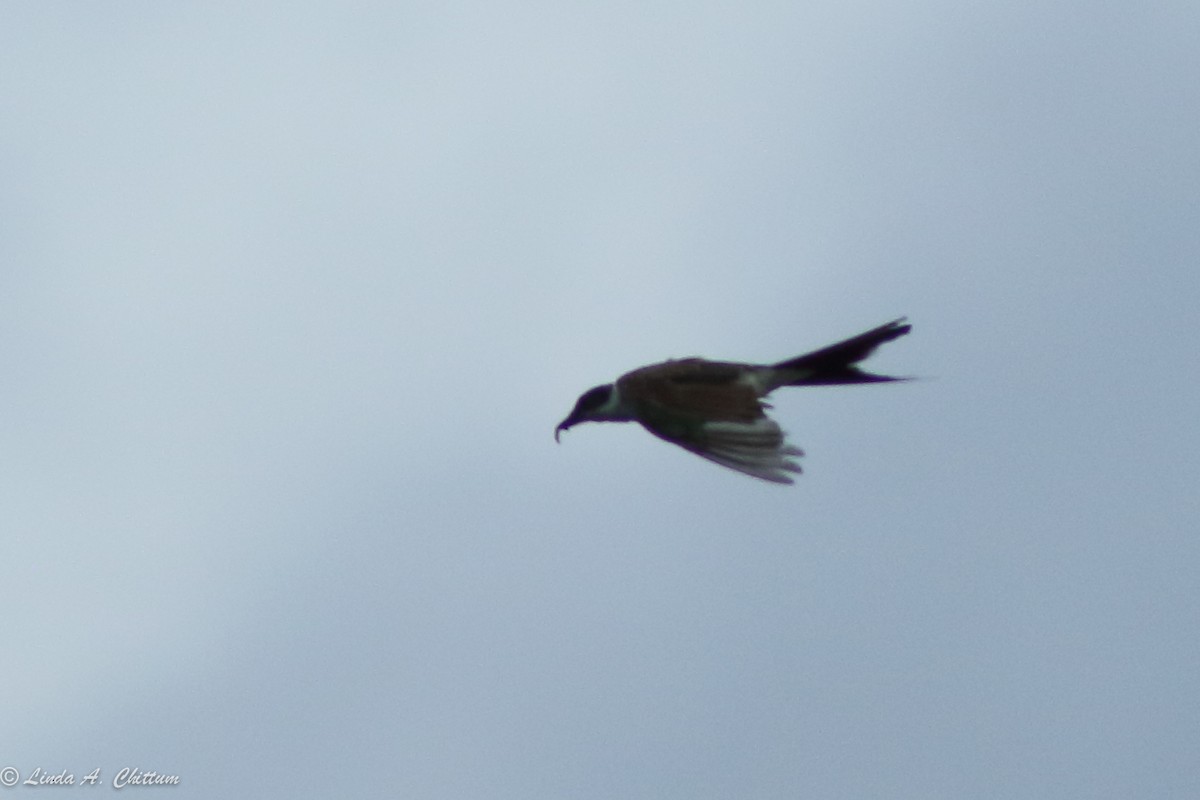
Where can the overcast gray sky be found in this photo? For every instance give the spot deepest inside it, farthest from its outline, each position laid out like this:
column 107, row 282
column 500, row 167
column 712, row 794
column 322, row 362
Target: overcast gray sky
column 294, row 294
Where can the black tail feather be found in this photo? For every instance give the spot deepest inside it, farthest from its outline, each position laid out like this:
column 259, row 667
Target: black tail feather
column 836, row 364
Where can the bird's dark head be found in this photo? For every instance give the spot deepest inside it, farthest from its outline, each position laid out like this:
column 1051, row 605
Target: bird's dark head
column 594, row 405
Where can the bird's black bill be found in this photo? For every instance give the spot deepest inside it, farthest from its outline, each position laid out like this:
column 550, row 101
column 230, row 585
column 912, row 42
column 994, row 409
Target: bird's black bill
column 571, row 421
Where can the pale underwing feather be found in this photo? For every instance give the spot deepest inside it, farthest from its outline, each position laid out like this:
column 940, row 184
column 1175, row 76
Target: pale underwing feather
column 755, row 448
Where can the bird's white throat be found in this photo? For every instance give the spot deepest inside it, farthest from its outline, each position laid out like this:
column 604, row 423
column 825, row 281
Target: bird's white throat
column 613, row 410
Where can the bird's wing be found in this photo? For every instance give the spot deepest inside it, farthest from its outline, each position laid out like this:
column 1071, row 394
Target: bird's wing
column 754, row 448
column 706, row 408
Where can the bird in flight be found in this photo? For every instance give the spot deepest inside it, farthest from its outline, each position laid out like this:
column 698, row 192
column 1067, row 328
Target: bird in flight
column 715, row 409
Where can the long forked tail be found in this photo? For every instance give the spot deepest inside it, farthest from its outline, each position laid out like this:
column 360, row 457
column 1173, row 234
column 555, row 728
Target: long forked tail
column 836, row 364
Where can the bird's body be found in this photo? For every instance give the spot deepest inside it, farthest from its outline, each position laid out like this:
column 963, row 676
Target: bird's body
column 714, row 408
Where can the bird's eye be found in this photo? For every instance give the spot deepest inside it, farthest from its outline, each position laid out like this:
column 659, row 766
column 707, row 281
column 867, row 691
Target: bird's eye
column 594, row 398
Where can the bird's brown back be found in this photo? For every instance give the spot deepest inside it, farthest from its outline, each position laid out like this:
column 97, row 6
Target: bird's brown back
column 694, row 389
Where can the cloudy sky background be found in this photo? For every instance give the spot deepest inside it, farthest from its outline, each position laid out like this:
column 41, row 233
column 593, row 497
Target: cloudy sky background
column 293, row 295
